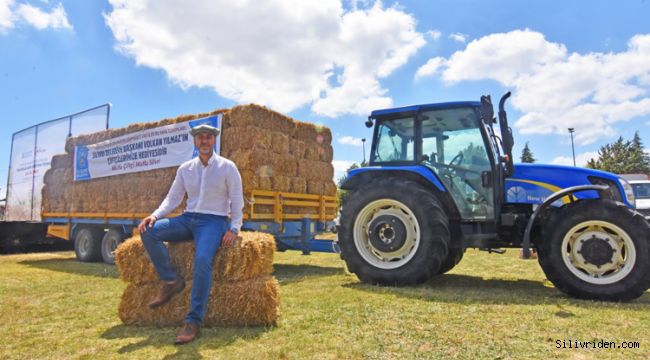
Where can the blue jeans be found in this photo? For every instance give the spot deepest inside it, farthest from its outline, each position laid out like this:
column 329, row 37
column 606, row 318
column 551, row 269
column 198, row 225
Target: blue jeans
column 207, row 231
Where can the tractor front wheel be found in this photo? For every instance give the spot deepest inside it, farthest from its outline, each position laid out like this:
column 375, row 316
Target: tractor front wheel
column 393, row 232
column 596, row 249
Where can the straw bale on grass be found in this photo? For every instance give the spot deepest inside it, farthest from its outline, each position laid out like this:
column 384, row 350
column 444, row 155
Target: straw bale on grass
column 243, row 292
column 252, row 302
column 249, row 257
column 133, row 262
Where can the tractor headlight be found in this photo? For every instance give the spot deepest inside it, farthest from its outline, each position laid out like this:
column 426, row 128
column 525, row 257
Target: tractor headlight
column 629, row 192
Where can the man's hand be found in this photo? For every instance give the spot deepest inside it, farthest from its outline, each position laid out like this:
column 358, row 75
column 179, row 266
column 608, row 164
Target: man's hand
column 146, row 222
column 228, row 238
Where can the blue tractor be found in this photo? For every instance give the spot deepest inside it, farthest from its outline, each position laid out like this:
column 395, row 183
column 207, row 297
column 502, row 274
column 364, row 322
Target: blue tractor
column 441, row 180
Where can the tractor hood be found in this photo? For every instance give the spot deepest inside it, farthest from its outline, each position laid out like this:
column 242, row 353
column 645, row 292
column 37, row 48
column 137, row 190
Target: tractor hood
column 532, row 183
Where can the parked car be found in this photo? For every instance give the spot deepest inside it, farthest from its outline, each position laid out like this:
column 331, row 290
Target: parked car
column 641, row 190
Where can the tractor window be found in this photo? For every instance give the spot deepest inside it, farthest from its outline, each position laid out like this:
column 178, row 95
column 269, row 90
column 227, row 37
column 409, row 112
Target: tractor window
column 395, row 141
column 453, row 147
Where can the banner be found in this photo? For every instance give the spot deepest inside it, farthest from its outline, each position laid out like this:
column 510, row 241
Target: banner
column 31, row 154
column 150, row 149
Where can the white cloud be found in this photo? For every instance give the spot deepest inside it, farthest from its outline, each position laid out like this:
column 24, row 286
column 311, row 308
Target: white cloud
column 7, row 17
column 555, row 89
column 349, row 140
column 12, row 13
column 581, row 159
column 340, row 167
column 458, row 37
column 57, row 19
column 281, row 53
column 434, row 34
column 430, row 68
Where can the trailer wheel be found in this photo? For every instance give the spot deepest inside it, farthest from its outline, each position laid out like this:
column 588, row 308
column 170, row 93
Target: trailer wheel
column 596, row 249
column 112, row 238
column 453, row 258
column 393, row 232
column 87, row 244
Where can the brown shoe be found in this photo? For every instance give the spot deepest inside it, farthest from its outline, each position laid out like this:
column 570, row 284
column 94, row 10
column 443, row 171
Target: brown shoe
column 167, row 291
column 187, row 333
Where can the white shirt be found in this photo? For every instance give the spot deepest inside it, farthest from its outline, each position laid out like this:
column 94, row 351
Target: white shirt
column 213, row 189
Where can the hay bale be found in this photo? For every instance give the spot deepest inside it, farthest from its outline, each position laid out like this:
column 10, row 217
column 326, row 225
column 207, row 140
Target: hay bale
column 264, row 163
column 243, row 303
column 312, row 133
column 251, row 256
column 273, row 152
column 298, row 185
column 297, row 148
column 281, row 183
column 61, row 161
column 134, row 306
column 260, row 117
column 315, row 187
column 326, row 153
column 253, row 302
column 133, row 262
column 315, row 170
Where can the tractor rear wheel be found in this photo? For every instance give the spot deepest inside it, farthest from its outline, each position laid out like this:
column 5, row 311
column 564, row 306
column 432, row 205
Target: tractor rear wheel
column 597, row 249
column 393, row 232
column 453, row 258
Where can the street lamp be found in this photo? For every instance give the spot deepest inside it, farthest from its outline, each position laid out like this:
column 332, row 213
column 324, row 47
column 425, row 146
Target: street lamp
column 363, row 143
column 573, row 151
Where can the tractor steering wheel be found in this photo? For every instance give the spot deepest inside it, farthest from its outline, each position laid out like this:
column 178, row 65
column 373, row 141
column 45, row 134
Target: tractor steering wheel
column 457, row 159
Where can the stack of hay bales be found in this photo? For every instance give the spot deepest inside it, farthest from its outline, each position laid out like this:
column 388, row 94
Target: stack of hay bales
column 243, row 291
column 272, row 151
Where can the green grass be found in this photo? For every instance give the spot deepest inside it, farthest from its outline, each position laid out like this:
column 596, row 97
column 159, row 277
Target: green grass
column 489, row 306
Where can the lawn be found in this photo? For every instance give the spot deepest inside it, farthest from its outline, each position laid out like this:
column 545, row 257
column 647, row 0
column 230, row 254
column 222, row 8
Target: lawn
column 489, row 306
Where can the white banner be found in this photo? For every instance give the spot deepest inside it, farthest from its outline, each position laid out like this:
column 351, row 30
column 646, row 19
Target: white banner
column 150, row 149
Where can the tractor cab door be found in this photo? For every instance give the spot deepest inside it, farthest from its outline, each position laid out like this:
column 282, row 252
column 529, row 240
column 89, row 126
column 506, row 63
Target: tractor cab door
column 454, row 147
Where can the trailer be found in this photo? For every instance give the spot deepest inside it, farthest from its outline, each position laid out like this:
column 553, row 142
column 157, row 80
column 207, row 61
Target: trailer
column 102, row 174
column 97, row 235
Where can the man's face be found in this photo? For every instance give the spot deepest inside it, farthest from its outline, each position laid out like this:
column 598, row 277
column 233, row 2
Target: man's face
column 204, row 142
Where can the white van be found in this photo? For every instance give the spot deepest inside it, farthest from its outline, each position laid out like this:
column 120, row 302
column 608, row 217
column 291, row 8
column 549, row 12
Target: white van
column 641, row 190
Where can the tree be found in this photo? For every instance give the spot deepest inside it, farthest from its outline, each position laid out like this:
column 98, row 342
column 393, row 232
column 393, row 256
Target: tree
column 622, row 157
column 342, row 194
column 527, row 155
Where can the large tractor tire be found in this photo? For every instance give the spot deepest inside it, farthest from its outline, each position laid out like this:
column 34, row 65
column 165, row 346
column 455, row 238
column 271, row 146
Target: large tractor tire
column 393, row 232
column 597, row 249
column 87, row 244
column 453, row 258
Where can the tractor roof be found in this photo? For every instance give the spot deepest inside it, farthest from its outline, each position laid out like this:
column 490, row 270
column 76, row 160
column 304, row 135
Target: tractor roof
column 423, row 107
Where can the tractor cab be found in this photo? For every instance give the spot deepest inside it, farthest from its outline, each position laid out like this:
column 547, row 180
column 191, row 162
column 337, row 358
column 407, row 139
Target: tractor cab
column 455, row 142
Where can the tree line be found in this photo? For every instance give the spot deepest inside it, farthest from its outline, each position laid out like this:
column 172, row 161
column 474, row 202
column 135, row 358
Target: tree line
column 620, row 157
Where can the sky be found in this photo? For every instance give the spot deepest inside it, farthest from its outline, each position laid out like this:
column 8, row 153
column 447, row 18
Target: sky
column 581, row 64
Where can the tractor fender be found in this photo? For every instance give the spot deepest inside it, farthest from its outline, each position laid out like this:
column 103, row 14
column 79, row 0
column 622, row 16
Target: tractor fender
column 361, row 175
column 547, row 202
column 416, row 173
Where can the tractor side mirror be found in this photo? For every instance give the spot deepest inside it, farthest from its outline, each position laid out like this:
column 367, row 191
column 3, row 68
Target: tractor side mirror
column 487, row 112
column 369, row 123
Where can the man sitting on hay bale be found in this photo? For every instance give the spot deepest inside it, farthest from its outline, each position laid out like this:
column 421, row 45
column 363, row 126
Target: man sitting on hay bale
column 214, row 188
